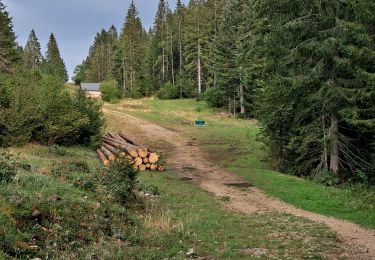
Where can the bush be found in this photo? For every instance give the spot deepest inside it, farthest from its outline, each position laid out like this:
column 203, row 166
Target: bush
column 120, row 180
column 40, row 109
column 168, row 91
column 215, row 97
column 109, row 90
column 9, row 167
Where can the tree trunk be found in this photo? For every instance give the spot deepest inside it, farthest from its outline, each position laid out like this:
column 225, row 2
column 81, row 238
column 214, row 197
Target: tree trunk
column 130, row 149
column 242, row 100
column 108, row 153
column 334, row 152
column 180, row 47
column 325, row 153
column 199, row 61
column 124, row 75
column 172, row 62
column 163, row 42
column 229, row 105
column 199, row 71
column 102, row 157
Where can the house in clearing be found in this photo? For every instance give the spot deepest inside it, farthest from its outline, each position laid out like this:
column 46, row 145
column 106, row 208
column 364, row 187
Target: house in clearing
column 92, row 89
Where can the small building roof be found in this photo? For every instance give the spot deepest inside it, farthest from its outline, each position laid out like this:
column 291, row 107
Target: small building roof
column 90, row 86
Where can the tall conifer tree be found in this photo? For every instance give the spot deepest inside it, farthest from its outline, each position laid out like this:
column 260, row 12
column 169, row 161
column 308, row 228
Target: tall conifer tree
column 8, row 47
column 32, row 54
column 133, row 40
column 54, row 64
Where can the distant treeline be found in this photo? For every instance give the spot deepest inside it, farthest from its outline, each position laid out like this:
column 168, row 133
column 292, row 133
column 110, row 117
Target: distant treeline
column 34, row 104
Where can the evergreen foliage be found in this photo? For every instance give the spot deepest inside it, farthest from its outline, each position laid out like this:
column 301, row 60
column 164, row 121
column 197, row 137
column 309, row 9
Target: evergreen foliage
column 99, row 65
column 130, row 59
column 54, row 64
column 32, row 56
column 315, row 106
column 8, row 46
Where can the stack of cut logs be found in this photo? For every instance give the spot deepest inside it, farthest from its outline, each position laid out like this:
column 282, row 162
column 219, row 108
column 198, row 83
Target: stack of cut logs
column 123, row 146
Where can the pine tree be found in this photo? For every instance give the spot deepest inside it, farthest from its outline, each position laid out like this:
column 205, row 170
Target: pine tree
column 99, row 64
column 159, row 45
column 180, row 10
column 54, row 64
column 229, row 55
column 316, row 105
column 8, row 46
column 133, row 40
column 32, row 55
column 199, row 38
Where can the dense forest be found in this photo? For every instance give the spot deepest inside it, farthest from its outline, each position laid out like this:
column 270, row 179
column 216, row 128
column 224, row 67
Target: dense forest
column 34, row 103
column 304, row 69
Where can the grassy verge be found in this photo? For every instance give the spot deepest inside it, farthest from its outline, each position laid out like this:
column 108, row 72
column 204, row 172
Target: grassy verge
column 57, row 207
column 233, row 143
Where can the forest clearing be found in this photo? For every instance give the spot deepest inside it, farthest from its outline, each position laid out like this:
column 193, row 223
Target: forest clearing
column 212, row 129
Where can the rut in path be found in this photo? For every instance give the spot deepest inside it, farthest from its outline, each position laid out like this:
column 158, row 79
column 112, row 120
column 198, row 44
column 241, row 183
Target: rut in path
column 188, row 161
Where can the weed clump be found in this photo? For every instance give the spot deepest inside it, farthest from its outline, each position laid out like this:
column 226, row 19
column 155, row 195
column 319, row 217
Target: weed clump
column 120, row 179
column 10, row 165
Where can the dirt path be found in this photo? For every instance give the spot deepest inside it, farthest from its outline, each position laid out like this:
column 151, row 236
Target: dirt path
column 188, row 161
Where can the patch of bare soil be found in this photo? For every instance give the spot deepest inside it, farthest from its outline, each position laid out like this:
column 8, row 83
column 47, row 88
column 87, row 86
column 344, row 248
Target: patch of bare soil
column 191, row 164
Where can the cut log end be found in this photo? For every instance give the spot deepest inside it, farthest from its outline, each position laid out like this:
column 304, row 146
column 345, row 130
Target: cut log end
column 143, row 152
column 138, row 161
column 153, row 167
column 153, row 158
column 142, row 167
column 133, row 153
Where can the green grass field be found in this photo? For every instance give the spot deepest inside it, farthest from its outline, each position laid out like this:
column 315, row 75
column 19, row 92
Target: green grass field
column 77, row 219
column 233, row 144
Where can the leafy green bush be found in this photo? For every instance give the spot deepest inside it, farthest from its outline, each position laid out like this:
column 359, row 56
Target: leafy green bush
column 168, row 91
column 10, row 166
column 109, row 90
column 215, row 97
column 39, row 108
column 120, row 180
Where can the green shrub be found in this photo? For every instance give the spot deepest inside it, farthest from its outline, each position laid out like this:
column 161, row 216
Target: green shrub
column 215, row 97
column 40, row 109
column 10, row 166
column 109, row 90
column 120, row 180
column 168, row 91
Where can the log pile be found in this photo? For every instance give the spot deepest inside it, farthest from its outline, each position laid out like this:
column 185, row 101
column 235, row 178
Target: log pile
column 120, row 145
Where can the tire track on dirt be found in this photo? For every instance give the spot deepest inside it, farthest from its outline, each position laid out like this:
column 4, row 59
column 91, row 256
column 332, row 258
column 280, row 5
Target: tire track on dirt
column 358, row 242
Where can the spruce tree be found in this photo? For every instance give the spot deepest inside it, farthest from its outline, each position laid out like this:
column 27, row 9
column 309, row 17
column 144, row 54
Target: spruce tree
column 316, row 106
column 228, row 56
column 8, row 47
column 54, row 64
column 99, row 64
column 32, row 56
column 132, row 43
column 180, row 10
column 159, row 45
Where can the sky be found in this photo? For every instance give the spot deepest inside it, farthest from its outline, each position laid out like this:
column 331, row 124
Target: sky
column 74, row 22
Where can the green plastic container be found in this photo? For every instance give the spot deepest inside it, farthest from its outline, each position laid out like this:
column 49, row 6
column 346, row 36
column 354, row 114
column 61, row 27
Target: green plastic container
column 200, row 122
